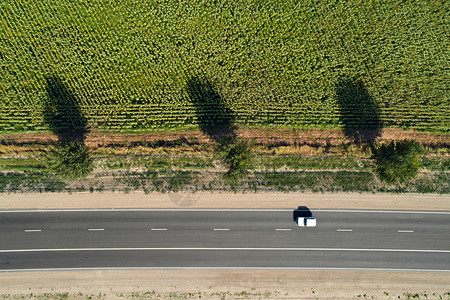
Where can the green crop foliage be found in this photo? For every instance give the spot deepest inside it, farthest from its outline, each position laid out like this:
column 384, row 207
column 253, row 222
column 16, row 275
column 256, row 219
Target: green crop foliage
column 21, row 164
column 275, row 62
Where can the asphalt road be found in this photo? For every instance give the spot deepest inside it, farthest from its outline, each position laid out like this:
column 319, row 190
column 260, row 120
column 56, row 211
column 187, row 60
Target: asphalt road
column 394, row 240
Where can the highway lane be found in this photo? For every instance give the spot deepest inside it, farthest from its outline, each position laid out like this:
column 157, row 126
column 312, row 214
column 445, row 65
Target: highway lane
column 205, row 237
column 250, row 258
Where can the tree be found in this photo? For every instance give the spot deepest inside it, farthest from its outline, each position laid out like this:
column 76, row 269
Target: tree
column 236, row 155
column 397, row 161
column 70, row 160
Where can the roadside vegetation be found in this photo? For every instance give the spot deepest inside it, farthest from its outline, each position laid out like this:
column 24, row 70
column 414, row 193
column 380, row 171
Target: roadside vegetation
column 197, row 167
column 222, row 295
column 397, row 162
column 69, row 161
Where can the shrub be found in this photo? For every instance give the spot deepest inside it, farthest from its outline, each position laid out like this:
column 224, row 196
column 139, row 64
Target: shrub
column 70, row 160
column 397, row 161
column 236, row 155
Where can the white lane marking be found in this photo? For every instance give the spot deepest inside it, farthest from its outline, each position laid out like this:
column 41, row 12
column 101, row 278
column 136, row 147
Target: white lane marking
column 227, row 209
column 227, row 249
column 158, row 229
column 282, row 229
column 405, row 231
column 225, row 268
column 221, row 229
column 96, row 229
column 33, row 230
column 344, row 230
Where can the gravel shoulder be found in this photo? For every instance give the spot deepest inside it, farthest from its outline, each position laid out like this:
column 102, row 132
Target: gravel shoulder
column 226, row 284
column 224, row 200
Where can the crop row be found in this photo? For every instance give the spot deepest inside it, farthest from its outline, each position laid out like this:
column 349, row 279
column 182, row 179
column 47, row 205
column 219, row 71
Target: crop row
column 142, row 64
column 146, row 116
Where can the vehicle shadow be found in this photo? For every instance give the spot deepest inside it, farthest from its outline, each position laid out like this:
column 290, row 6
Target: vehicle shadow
column 301, row 212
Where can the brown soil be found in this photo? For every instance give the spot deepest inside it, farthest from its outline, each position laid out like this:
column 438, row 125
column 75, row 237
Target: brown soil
column 265, row 136
column 225, row 200
column 225, row 284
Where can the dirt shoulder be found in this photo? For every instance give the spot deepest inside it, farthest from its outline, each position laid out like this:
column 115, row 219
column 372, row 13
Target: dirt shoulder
column 226, row 284
column 225, row 200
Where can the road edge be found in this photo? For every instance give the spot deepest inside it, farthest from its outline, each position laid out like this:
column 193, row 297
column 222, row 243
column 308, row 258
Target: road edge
column 217, row 200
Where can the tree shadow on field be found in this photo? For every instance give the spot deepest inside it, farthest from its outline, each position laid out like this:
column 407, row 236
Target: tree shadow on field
column 62, row 113
column 70, row 158
column 360, row 114
column 217, row 121
column 214, row 118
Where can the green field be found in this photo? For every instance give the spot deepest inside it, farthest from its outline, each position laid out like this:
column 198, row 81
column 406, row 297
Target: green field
column 128, row 64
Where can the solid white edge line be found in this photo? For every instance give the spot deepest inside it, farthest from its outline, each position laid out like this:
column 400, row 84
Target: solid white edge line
column 225, row 268
column 344, row 230
column 96, row 229
column 382, row 211
column 226, row 249
column 405, row 231
column 224, row 209
column 33, row 230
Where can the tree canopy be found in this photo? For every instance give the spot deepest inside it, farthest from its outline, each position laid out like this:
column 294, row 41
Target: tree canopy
column 397, row 161
column 70, row 160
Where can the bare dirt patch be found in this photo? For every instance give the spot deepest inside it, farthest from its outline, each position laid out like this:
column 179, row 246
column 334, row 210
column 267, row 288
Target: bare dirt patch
column 226, row 284
column 316, row 137
column 225, row 200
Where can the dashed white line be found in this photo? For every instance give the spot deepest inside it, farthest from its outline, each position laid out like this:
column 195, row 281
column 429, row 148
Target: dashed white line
column 33, row 230
column 158, row 229
column 221, row 229
column 96, row 229
column 282, row 229
column 405, row 231
column 344, row 230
